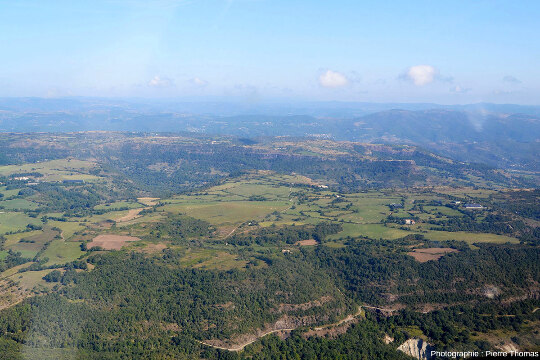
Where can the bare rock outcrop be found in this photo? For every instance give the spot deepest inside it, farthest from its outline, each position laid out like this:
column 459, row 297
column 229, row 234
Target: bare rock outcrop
column 417, row 348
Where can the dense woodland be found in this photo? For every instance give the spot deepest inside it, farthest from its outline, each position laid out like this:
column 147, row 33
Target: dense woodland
column 180, row 228
column 370, row 270
column 126, row 294
column 285, row 235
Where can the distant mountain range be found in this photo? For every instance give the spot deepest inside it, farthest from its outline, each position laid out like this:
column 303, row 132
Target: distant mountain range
column 220, row 106
column 501, row 135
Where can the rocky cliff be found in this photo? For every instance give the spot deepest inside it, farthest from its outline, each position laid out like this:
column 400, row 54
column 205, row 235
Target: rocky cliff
column 417, row 348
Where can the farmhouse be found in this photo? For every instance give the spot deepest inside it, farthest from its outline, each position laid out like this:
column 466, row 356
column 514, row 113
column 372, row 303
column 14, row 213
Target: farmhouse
column 473, row 206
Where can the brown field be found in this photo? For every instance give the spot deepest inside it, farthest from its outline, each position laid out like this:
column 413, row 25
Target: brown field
column 105, row 224
column 423, row 255
column 148, row 201
column 153, row 248
column 132, row 214
column 309, row 242
column 111, row 242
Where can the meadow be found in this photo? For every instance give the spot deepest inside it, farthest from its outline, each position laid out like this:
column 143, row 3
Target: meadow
column 54, row 170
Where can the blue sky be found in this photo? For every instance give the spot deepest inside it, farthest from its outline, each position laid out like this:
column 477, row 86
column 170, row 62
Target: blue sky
column 384, row 51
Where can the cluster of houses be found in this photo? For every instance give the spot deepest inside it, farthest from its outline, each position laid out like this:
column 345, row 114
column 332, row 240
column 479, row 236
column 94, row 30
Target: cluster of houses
column 73, row 182
column 470, row 206
column 473, row 206
column 31, row 181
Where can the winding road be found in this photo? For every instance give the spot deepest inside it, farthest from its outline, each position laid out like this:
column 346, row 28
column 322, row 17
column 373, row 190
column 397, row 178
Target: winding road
column 257, row 337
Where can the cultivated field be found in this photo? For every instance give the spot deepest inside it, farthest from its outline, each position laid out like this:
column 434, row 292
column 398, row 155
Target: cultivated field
column 111, row 242
column 423, row 255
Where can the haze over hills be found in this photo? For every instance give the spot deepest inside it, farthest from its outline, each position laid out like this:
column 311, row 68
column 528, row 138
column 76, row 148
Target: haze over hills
column 230, row 106
column 499, row 135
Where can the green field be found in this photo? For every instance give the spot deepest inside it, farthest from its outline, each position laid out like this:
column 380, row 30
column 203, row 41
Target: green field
column 443, row 210
column 52, row 167
column 470, row 237
column 30, row 244
column 15, row 221
column 55, row 170
column 374, row 231
column 8, row 193
column 60, row 252
column 69, row 228
column 19, row 204
column 221, row 213
column 30, row 279
column 15, row 238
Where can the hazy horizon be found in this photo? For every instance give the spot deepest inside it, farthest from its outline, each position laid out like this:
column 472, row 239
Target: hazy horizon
column 239, row 100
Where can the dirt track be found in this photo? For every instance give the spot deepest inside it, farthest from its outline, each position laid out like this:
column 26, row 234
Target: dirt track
column 261, row 335
column 242, row 346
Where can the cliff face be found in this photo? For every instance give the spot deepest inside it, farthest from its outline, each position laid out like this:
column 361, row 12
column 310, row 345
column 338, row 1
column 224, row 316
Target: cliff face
column 417, row 348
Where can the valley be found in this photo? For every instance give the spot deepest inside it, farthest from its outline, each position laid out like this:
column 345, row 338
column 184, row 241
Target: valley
column 268, row 250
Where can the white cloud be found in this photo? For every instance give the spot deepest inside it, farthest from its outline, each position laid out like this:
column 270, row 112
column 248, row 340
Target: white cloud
column 198, row 81
column 459, row 89
column 333, row 79
column 421, row 75
column 159, row 82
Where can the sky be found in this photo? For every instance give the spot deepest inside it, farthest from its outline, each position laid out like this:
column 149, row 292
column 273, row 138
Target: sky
column 445, row 52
